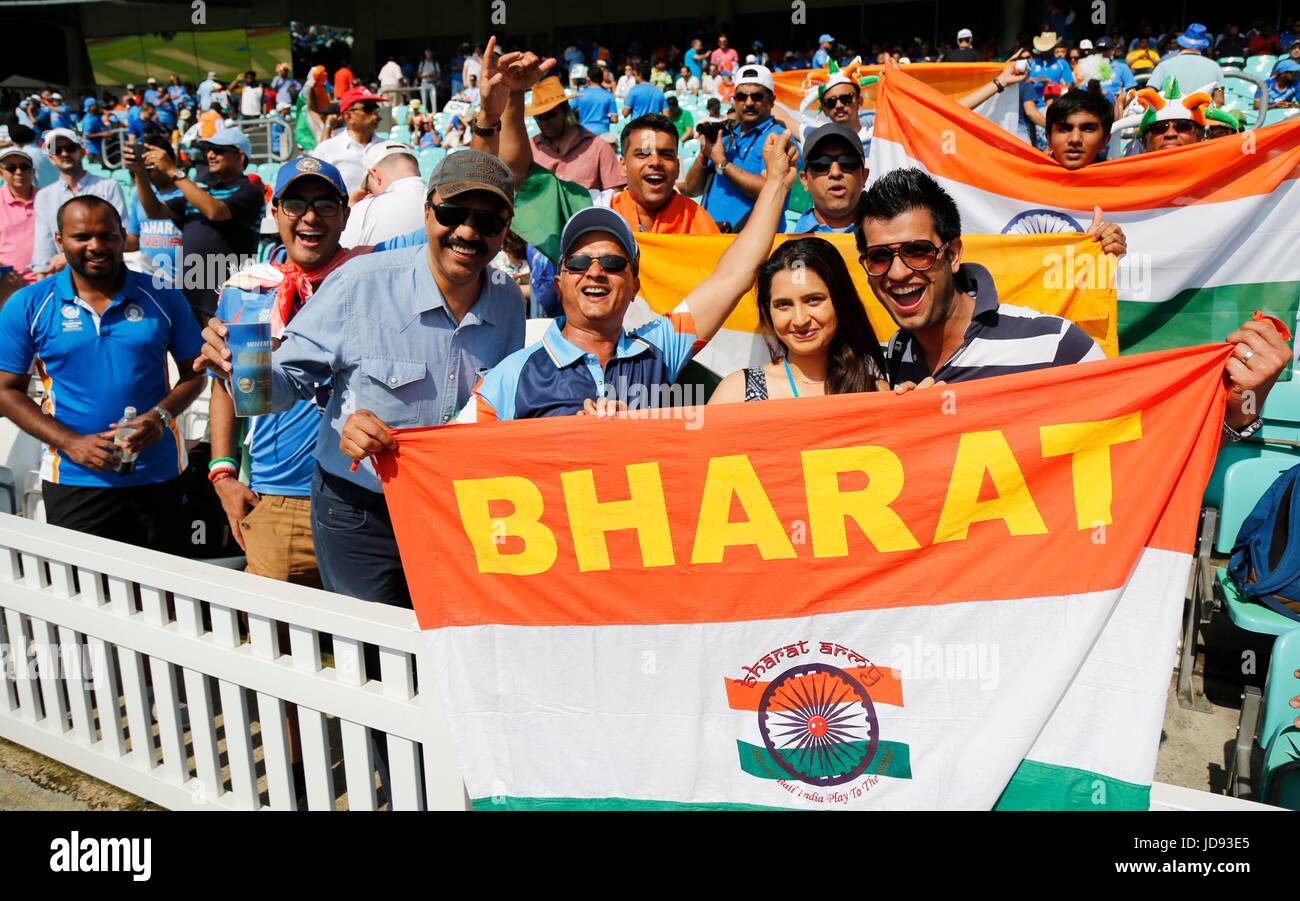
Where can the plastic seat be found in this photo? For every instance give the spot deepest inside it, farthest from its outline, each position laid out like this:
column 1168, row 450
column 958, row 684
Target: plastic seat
column 1273, row 116
column 1260, row 66
column 1278, row 737
column 1248, row 615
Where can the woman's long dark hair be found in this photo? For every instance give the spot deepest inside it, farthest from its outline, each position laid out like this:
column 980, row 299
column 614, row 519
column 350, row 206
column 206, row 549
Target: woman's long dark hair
column 854, row 347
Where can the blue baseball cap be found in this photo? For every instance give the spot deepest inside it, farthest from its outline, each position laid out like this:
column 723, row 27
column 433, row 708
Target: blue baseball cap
column 308, row 167
column 824, row 38
column 228, row 137
column 1287, row 65
column 600, row 219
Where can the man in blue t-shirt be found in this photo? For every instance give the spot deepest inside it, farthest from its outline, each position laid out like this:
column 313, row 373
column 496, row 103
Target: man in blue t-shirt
column 736, row 160
column 1047, row 67
column 596, row 109
column 271, row 516
column 98, row 336
column 1121, row 76
column 157, row 239
column 93, row 130
column 644, row 98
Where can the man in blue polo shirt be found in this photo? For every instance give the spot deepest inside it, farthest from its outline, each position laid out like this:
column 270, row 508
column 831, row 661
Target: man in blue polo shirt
column 596, row 108
column 157, row 239
column 272, row 521
column 834, row 171
column 644, row 98
column 736, row 161
column 99, row 336
column 586, row 363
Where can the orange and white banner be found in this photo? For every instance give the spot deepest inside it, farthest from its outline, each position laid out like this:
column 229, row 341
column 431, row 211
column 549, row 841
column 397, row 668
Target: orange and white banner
column 962, row 597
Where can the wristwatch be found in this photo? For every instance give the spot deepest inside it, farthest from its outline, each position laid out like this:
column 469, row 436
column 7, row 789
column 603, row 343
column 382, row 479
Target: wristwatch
column 999, row 85
column 163, row 416
column 722, row 167
column 180, row 175
column 1233, row 435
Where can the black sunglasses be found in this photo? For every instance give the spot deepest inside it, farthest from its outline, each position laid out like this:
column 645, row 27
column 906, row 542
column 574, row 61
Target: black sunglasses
column 919, row 256
column 748, row 96
column 370, row 107
column 20, row 167
column 486, row 223
column 581, row 262
column 820, row 165
column 834, row 100
column 1182, row 126
column 64, row 149
column 325, row 207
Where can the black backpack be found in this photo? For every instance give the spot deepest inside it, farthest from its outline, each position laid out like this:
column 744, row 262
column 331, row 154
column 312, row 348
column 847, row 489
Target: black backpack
column 1265, row 561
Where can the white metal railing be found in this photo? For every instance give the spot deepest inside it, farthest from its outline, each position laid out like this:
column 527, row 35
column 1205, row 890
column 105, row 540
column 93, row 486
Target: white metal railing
column 173, row 679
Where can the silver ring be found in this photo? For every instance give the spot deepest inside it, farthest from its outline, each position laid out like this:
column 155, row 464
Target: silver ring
column 1246, row 358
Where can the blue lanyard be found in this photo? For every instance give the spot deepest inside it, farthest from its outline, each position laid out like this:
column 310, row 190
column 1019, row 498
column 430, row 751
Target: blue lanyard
column 790, row 375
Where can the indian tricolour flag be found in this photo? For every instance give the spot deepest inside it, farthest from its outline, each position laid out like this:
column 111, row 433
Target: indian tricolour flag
column 1212, row 227
column 956, row 598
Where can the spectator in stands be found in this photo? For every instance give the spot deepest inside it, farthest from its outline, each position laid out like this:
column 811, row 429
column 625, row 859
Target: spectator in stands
column 724, row 56
column 598, row 281
column 218, row 220
column 660, row 77
column 102, row 335
column 953, row 329
column 596, row 108
column 651, row 164
column 710, row 81
column 17, row 218
column 1047, row 67
column 93, row 130
column 644, row 98
column 573, row 153
column 1142, row 58
column 1230, row 44
column 1190, row 66
column 626, row 82
column 206, row 88
column 681, row 118
column 395, row 205
column 429, row 73
column 1265, row 43
column 250, row 96
column 687, row 85
column 157, row 239
column 834, row 173
column 1281, row 84
column 839, row 98
column 1078, row 127
column 285, row 86
column 821, row 59
column 409, row 361
column 1173, row 121
column 473, row 66
column 145, row 123
column 696, row 60
column 271, row 516
column 965, row 51
column 735, row 161
column 64, row 149
column 390, row 82
column 345, row 150
column 342, row 81
column 1121, row 76
column 815, row 326
column 25, row 137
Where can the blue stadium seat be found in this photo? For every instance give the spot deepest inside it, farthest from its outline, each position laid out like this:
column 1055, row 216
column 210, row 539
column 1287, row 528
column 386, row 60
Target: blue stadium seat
column 1279, row 777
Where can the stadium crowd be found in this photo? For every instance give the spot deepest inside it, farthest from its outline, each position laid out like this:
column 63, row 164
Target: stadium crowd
column 400, row 299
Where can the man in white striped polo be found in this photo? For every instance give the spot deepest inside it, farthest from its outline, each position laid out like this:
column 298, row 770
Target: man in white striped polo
column 952, row 327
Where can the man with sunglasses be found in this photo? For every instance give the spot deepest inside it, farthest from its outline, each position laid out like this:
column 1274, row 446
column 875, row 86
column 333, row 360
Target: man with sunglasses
column 271, row 516
column 952, row 327
column 347, row 149
column 840, row 100
column 566, row 148
column 64, row 149
column 834, row 172
column 17, row 218
column 219, row 219
column 586, row 363
column 736, row 161
column 394, row 339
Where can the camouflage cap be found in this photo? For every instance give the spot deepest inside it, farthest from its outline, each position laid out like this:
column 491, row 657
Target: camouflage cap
column 472, row 170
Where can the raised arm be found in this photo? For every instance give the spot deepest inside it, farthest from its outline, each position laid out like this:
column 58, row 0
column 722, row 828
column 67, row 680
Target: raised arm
column 1007, row 77
column 713, row 299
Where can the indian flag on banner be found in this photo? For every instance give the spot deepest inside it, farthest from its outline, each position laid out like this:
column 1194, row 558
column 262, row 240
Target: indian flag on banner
column 1212, row 227
column 964, row 598
column 1045, row 272
column 952, row 79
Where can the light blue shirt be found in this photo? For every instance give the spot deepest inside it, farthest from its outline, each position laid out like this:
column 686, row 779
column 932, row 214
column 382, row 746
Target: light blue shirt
column 378, row 336
column 48, row 201
column 1192, row 70
column 809, row 224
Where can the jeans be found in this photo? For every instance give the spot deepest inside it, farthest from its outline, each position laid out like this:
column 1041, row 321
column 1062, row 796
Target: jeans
column 428, row 96
column 355, row 548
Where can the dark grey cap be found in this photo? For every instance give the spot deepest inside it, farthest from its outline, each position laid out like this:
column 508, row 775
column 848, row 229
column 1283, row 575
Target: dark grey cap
column 600, row 219
column 472, row 170
column 832, row 130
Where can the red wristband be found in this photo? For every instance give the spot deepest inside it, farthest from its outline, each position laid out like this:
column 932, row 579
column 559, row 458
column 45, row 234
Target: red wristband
column 218, row 474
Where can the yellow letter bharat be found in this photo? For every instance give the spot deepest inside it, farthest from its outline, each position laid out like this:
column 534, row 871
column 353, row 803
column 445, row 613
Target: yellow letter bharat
column 733, row 478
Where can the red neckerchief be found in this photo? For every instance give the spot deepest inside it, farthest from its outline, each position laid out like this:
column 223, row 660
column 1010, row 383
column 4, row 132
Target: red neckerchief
column 298, row 285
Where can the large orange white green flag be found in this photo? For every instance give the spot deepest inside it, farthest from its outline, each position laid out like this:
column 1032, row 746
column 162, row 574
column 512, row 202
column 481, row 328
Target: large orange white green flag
column 1043, row 272
column 1212, row 227
column 964, row 597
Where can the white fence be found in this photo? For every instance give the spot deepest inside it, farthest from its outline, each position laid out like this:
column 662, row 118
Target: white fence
column 198, row 687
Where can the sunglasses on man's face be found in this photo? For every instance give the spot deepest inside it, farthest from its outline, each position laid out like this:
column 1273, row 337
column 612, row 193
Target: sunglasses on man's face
column 919, row 256
column 820, row 165
column 453, row 215
column 366, row 107
column 65, row 149
column 325, row 207
column 749, row 96
column 581, row 262
column 830, row 101
column 1182, row 126
column 11, row 168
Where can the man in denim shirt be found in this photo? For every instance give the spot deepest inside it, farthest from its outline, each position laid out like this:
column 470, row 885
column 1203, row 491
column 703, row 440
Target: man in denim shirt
column 399, row 339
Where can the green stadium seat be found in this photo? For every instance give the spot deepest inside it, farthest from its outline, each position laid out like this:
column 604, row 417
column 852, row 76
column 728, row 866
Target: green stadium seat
column 123, row 177
column 1273, row 116
column 1246, row 614
column 1260, row 66
column 800, row 199
column 1279, row 777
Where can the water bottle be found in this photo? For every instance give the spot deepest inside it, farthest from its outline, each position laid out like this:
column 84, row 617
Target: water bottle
column 126, row 465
